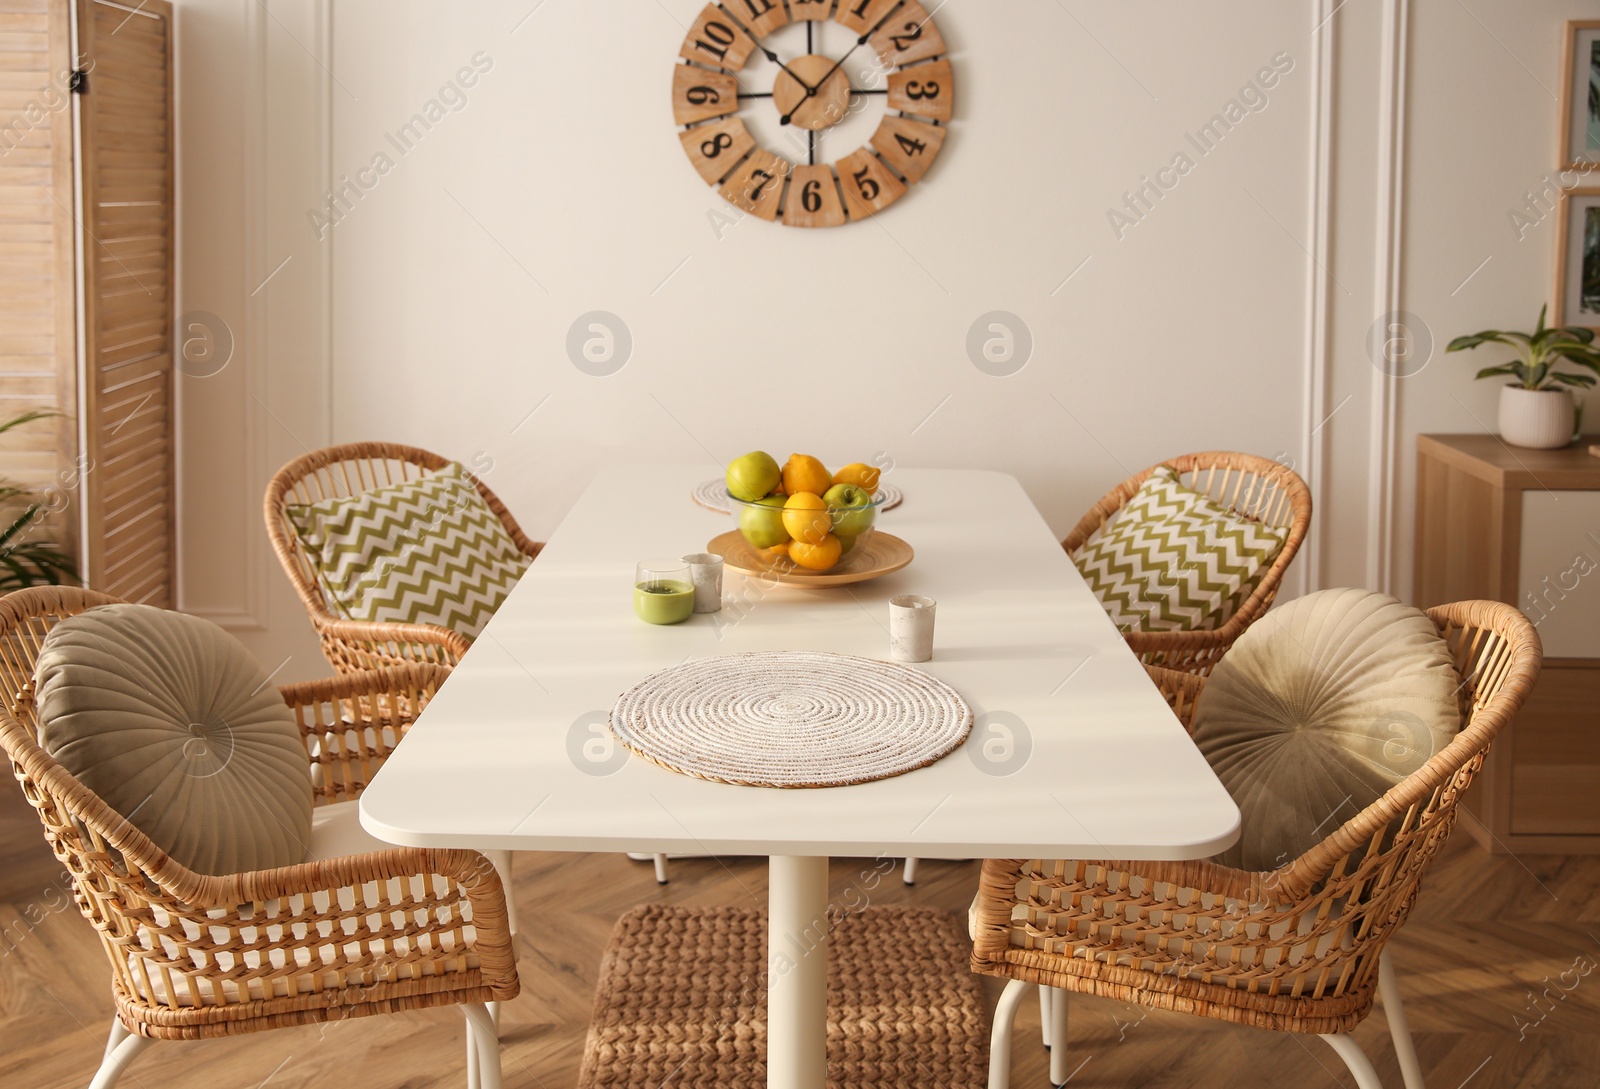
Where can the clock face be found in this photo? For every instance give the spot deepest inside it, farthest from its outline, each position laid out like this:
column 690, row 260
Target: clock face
column 806, row 74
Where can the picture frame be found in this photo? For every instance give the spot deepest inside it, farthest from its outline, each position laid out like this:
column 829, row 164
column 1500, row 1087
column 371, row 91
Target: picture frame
column 1577, row 289
column 1580, row 96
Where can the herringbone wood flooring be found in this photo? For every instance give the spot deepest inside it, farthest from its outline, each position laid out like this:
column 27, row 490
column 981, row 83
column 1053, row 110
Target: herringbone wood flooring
column 1489, row 937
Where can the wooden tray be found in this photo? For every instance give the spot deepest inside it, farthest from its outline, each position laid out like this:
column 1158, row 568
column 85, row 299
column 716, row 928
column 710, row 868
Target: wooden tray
column 878, row 555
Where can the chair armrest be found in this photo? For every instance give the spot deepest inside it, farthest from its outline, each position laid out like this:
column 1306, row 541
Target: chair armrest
column 1181, row 691
column 351, row 722
column 370, row 644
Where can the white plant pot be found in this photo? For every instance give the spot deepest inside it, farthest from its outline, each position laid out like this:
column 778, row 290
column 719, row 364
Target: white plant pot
column 1539, row 419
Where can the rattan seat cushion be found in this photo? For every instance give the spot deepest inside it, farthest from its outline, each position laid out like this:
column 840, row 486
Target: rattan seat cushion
column 175, row 725
column 1321, row 707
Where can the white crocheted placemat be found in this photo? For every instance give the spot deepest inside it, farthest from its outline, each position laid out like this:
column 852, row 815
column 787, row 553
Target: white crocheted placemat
column 713, row 495
column 791, row 719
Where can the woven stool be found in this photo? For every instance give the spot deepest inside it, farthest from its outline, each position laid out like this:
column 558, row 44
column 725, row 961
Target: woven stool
column 682, row 995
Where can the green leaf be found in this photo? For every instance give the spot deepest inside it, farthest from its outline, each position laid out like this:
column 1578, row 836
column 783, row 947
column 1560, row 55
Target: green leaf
column 1581, row 381
column 1488, row 336
column 1504, row 368
column 1540, row 327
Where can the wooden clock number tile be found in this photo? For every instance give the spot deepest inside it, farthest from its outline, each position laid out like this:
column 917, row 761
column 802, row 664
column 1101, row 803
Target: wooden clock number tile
column 862, row 15
column 813, row 198
column 868, row 185
column 757, row 183
column 908, row 145
column 761, row 17
column 715, row 148
column 927, row 90
column 716, row 39
column 909, row 36
column 699, row 95
column 809, row 11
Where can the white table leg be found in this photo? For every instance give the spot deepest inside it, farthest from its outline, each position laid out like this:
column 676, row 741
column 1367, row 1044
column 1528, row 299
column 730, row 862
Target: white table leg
column 797, row 962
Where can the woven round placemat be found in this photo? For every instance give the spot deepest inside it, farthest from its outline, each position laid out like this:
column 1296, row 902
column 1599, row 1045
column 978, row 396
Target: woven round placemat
column 713, row 495
column 681, row 1002
column 791, row 719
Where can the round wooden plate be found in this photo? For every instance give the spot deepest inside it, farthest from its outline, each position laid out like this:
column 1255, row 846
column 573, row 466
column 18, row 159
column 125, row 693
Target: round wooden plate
column 879, row 554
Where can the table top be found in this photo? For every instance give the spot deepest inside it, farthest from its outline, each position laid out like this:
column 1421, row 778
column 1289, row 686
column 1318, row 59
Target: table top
column 1074, row 754
column 1491, row 459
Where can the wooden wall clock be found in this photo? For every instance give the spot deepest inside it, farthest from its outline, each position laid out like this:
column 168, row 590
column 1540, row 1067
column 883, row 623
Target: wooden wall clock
column 897, row 53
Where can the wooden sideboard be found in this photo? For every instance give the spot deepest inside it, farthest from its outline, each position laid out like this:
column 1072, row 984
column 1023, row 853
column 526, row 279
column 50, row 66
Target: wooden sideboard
column 1523, row 527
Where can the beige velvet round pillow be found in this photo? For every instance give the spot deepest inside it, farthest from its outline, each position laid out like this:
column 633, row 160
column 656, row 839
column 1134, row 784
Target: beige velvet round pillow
column 173, row 723
column 1319, row 708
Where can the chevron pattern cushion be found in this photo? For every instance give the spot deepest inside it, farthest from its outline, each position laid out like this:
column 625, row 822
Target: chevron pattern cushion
column 1174, row 559
column 427, row 551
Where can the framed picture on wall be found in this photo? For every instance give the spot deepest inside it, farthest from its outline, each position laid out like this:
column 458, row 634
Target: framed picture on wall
column 1578, row 259
column 1580, row 95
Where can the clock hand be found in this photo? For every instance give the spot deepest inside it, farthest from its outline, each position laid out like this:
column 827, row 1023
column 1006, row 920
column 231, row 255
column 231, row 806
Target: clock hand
column 773, row 57
column 811, row 91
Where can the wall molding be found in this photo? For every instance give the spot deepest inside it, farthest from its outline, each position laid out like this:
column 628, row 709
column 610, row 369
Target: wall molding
column 1318, row 284
column 1383, row 461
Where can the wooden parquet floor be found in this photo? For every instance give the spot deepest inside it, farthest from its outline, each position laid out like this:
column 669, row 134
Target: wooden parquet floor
column 1490, row 936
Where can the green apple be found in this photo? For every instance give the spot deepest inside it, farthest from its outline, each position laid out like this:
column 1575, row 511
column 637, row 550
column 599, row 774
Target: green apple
column 853, row 512
column 752, row 476
column 761, row 522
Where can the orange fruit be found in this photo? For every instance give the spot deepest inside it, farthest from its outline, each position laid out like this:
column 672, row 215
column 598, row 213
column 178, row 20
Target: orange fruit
column 807, row 518
column 862, row 476
column 819, row 556
column 804, row 473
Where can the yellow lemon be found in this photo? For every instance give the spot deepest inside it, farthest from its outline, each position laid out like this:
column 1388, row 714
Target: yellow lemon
column 807, row 518
column 804, row 473
column 862, row 476
column 819, row 556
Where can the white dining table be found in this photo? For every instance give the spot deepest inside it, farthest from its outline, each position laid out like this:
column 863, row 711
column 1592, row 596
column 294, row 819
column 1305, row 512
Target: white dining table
column 1074, row 752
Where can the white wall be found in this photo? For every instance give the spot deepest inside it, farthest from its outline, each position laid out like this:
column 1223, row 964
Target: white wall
column 436, row 311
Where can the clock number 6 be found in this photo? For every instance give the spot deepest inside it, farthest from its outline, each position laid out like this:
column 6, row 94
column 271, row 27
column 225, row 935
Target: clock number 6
column 917, row 89
column 868, row 186
column 714, row 146
column 700, row 96
column 811, row 196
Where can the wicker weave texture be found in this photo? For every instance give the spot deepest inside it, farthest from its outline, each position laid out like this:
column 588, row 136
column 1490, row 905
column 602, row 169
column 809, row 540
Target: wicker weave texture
column 791, row 719
column 1295, row 948
column 195, row 956
column 339, row 471
column 1252, row 487
column 682, row 1001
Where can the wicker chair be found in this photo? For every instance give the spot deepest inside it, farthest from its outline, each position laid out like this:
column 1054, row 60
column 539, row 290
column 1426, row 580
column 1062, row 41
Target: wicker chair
column 1251, row 486
column 349, row 470
column 1296, row 949
column 195, row 956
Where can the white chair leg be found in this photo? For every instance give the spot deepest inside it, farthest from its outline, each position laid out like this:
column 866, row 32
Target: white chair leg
column 1355, row 1059
column 118, row 1034
column 1058, row 1036
column 661, row 869
column 482, row 1034
column 1005, row 1016
column 1044, row 1015
column 1394, row 1010
column 117, row 1059
column 501, row 861
column 473, row 1081
column 909, row 874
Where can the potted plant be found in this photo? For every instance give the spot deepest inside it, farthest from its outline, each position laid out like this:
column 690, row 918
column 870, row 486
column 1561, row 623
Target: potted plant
column 1537, row 409
column 23, row 562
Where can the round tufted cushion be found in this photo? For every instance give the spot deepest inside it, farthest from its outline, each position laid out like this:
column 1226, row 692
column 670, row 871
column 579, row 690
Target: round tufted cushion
column 172, row 722
column 1318, row 709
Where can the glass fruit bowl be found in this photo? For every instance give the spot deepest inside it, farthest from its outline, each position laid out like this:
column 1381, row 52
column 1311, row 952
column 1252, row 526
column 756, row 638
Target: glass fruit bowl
column 813, row 533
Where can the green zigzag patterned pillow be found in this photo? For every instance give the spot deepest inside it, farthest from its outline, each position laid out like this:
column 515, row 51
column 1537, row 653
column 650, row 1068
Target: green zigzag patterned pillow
column 428, row 551
column 1174, row 559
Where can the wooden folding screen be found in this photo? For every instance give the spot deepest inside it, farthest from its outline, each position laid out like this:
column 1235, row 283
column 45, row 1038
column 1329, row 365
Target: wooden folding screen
column 86, row 287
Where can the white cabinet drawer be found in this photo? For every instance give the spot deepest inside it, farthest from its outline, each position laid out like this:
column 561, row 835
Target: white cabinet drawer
column 1558, row 584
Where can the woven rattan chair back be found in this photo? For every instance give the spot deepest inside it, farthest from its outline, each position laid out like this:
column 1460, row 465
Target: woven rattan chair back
column 349, row 470
column 194, row 956
column 1252, row 487
column 1295, row 948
